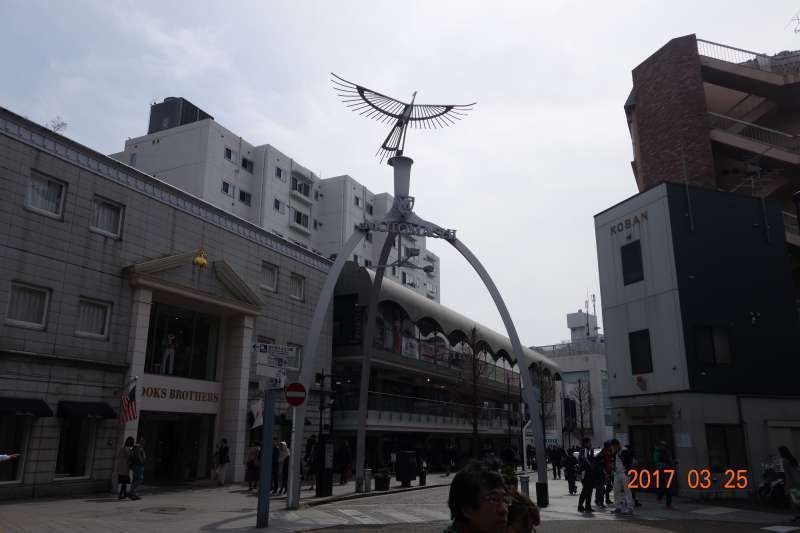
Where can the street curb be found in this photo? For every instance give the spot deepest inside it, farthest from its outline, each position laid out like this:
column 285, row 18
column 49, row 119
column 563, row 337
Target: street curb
column 359, row 495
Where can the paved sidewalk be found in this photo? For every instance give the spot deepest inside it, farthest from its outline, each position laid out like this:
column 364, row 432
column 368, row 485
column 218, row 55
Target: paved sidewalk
column 201, row 507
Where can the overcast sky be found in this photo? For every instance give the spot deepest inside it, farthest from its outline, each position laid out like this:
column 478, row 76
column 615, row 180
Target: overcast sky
column 545, row 149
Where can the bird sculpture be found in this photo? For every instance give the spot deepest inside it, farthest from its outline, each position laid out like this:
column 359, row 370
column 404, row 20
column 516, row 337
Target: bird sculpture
column 384, row 108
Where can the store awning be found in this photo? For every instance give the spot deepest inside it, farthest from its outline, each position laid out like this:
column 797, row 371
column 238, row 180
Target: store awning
column 85, row 409
column 25, row 406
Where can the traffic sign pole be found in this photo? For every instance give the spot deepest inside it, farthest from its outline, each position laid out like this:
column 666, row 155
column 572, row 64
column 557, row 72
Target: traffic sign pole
column 268, row 421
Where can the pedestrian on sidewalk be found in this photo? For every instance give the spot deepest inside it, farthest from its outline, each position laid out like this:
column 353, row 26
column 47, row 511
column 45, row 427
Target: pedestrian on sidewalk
column 123, row 467
column 662, row 459
column 622, row 492
column 792, row 474
column 346, row 461
column 523, row 514
column 570, row 472
column 634, row 463
column 283, row 465
column 252, row 463
column 478, row 501
column 601, row 474
column 557, row 461
column 138, row 460
column 221, row 459
column 586, row 469
column 274, row 481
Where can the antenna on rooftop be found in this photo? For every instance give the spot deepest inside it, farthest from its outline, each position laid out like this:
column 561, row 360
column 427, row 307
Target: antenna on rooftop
column 795, row 20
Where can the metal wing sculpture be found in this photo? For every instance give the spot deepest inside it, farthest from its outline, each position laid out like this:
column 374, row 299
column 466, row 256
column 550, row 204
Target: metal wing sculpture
column 384, row 108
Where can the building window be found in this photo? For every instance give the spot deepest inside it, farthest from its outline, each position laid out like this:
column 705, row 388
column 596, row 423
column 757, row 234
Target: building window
column 726, row 447
column 316, row 223
column 269, row 276
column 93, row 318
column 301, row 186
column 132, row 159
column 403, row 277
column 368, row 237
column 247, row 165
column 46, row 195
column 228, row 188
column 278, row 206
column 244, row 197
column 355, row 258
column 712, row 345
column 394, row 271
column 316, row 195
column 182, row 342
column 300, row 218
column 228, row 154
column 632, row 267
column 641, row 356
column 294, row 360
column 369, row 209
column 74, row 447
column 13, row 435
column 367, row 263
column 297, row 286
column 27, row 306
column 107, row 218
column 279, row 174
column 357, row 201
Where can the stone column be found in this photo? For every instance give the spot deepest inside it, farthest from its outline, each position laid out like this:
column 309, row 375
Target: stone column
column 235, row 379
column 137, row 352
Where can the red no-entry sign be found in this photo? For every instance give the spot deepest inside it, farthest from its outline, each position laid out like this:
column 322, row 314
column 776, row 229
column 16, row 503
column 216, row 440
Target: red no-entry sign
column 295, row 394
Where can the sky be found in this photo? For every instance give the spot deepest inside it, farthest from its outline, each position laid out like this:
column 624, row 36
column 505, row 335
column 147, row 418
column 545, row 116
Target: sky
column 520, row 179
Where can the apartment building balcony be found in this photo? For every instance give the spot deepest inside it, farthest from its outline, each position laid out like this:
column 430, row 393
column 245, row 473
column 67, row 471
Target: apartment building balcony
column 748, row 71
column 297, row 195
column 448, row 366
column 391, row 412
column 299, row 227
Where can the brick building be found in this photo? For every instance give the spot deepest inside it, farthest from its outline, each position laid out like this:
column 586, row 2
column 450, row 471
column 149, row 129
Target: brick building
column 700, row 271
column 99, row 286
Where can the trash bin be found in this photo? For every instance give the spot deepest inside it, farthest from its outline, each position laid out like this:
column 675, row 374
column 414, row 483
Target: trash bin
column 524, row 484
column 406, row 469
column 367, row 480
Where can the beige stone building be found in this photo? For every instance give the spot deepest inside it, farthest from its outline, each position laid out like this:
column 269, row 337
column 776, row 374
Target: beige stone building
column 99, row 289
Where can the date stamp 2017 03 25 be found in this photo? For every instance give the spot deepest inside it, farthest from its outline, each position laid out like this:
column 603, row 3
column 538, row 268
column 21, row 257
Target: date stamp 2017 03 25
column 701, row 478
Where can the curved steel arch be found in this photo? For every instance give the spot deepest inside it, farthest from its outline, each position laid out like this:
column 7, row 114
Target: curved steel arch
column 307, row 365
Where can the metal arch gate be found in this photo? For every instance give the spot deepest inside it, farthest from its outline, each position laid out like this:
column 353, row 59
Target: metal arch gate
column 400, row 213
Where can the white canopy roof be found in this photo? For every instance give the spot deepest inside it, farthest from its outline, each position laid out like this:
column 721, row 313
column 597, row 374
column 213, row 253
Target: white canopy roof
column 359, row 280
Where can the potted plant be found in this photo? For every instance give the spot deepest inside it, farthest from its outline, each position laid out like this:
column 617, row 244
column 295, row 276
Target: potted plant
column 382, row 479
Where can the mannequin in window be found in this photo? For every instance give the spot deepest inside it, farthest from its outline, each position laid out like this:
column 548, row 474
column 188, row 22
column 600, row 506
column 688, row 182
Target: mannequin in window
column 168, row 355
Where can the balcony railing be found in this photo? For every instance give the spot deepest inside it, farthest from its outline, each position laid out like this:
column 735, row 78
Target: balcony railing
column 411, row 410
column 573, row 348
column 731, row 54
column 438, row 355
column 779, row 63
column 754, row 131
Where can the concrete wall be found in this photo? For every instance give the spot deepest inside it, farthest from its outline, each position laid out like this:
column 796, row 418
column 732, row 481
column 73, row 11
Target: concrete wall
column 652, row 303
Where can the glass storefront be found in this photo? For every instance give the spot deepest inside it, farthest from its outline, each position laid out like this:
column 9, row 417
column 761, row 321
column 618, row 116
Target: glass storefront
column 179, row 446
column 182, row 343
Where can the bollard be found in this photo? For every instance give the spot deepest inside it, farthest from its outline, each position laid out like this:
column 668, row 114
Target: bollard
column 524, row 484
column 367, row 480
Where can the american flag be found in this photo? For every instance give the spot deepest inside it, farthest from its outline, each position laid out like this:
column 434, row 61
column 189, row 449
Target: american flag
column 128, row 411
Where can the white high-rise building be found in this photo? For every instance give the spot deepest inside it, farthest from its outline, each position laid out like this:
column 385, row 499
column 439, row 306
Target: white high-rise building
column 185, row 147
